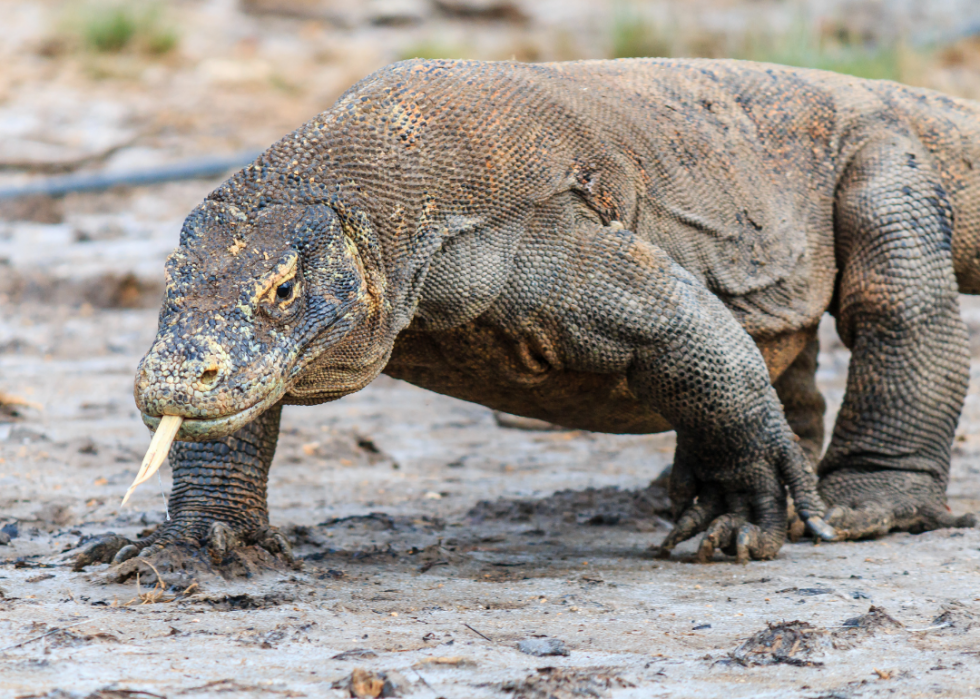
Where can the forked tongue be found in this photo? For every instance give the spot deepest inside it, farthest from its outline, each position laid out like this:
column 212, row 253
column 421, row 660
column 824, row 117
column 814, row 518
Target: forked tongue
column 159, row 448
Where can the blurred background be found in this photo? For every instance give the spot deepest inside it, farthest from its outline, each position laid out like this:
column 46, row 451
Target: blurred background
column 112, row 86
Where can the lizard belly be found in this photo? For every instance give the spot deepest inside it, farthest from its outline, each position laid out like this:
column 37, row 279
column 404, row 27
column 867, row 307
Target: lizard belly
column 483, row 366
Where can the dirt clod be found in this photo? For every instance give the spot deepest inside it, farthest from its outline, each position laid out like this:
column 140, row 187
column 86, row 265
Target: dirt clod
column 542, row 646
column 861, row 627
column 957, row 618
column 790, row 643
column 227, row 603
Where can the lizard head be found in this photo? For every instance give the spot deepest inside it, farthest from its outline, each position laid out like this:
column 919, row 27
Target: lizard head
column 257, row 304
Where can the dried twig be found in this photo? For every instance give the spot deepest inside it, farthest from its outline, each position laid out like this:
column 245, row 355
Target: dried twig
column 478, row 633
column 157, row 595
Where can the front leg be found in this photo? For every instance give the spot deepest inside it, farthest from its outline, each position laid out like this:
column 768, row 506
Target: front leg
column 218, row 505
column 689, row 359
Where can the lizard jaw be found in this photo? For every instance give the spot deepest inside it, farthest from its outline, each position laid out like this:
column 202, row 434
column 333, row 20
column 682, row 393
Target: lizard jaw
column 204, row 430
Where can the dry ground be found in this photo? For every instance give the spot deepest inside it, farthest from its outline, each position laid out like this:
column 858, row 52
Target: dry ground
column 381, row 494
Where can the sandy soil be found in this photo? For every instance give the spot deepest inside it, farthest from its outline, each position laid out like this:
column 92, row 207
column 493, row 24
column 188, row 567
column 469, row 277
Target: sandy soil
column 432, row 543
column 428, row 533
column 439, row 549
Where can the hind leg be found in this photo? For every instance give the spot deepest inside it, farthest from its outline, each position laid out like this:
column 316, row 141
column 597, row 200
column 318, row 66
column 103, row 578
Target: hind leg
column 887, row 465
column 804, row 407
column 802, row 401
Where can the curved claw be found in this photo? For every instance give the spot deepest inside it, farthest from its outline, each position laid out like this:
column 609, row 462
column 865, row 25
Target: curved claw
column 125, row 553
column 275, row 543
column 819, row 527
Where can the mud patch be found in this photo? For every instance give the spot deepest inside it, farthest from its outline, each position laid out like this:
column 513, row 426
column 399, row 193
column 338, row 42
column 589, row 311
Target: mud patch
column 610, row 506
column 555, row 683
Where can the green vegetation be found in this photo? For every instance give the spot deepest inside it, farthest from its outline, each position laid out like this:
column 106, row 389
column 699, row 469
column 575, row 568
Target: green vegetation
column 109, row 29
column 113, row 27
column 634, row 35
column 432, row 50
column 876, row 60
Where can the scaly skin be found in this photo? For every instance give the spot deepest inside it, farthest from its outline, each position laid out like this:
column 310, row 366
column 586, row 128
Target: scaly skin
column 621, row 246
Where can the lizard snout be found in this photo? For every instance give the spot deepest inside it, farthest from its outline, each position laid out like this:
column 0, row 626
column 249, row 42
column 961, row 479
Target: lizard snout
column 188, row 383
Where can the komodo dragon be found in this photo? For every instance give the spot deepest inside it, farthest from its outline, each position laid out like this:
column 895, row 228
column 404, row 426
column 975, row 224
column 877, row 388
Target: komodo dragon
column 625, row 246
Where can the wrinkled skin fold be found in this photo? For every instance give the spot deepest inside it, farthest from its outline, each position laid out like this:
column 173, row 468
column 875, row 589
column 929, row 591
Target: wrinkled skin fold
column 622, row 246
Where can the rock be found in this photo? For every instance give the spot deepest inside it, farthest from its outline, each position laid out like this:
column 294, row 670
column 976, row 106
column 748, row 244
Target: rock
column 396, row 684
column 10, row 531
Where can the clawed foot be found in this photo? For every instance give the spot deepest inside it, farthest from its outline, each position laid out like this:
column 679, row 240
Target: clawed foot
column 868, row 504
column 747, row 516
column 728, row 526
column 189, row 548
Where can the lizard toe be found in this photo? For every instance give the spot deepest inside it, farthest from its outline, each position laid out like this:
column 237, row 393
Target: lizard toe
column 693, row 520
column 718, row 535
column 102, row 550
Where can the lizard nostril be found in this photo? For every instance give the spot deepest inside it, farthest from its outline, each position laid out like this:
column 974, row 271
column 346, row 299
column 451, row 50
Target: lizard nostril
column 209, row 377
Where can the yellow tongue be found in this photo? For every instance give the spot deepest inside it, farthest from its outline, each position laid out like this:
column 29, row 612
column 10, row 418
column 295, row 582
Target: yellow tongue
column 159, row 448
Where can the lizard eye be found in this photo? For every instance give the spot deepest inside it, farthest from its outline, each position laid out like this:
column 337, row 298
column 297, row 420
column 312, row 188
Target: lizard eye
column 285, row 291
